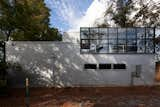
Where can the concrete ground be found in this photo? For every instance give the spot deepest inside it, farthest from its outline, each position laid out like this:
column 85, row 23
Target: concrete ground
column 84, row 97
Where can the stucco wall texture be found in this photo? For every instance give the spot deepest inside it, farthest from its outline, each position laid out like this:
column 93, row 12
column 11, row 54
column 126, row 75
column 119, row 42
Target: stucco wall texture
column 60, row 64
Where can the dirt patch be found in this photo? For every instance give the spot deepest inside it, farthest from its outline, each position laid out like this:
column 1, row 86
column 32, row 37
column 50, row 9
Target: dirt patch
column 84, row 97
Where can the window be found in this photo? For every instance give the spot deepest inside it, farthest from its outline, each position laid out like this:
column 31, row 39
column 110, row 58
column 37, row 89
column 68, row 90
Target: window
column 149, row 46
column 104, row 66
column 90, row 66
column 85, row 44
column 119, row 66
column 117, row 40
column 131, row 33
column 84, row 33
column 94, row 34
column 149, row 33
column 122, row 33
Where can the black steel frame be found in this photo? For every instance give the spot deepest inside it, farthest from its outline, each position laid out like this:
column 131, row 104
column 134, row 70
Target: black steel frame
column 117, row 37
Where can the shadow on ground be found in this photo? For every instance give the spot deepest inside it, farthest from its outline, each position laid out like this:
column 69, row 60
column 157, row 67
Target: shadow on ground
column 85, row 97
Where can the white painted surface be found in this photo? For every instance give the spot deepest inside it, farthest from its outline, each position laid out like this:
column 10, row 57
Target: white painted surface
column 71, row 37
column 61, row 64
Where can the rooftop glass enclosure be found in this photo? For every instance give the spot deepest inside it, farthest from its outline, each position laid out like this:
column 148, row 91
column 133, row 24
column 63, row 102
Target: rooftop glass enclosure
column 117, row 40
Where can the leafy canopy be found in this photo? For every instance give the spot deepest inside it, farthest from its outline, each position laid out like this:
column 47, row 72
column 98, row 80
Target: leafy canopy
column 26, row 20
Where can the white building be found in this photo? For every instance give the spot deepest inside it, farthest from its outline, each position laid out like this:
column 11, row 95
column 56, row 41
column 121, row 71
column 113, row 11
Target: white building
column 94, row 57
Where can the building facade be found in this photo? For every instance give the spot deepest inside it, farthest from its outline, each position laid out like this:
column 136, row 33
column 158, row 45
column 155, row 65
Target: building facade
column 91, row 57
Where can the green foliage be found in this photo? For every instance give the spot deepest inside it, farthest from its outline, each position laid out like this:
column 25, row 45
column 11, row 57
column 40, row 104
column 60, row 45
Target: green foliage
column 123, row 9
column 103, row 25
column 148, row 16
column 52, row 34
column 25, row 20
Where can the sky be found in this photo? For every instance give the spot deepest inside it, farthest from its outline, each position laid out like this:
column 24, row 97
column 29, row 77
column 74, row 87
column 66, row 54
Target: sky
column 65, row 14
column 70, row 15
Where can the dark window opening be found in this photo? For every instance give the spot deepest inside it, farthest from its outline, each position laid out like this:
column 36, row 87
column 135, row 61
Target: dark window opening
column 90, row 66
column 104, row 66
column 119, row 66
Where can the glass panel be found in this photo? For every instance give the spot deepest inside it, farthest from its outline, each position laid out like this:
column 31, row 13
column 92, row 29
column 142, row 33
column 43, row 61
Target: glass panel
column 102, row 48
column 132, row 42
column 131, row 49
column 112, row 33
column 122, row 42
column 94, row 33
column 131, row 33
column 121, row 48
column 141, row 46
column 149, row 32
column 112, row 48
column 104, row 40
column 141, row 33
column 103, row 33
column 113, row 41
column 157, row 48
column 157, row 32
column 121, row 33
column 95, row 42
column 157, row 41
column 149, row 46
column 84, row 33
column 85, row 44
column 93, row 45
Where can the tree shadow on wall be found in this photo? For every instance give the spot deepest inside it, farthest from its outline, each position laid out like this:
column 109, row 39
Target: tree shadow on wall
column 57, row 64
column 17, row 75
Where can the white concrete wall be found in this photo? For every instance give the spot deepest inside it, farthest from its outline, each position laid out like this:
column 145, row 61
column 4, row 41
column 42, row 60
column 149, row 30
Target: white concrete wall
column 61, row 64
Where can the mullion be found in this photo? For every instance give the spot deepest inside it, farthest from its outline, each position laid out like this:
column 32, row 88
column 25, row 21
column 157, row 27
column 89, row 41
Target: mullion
column 126, row 41
column 149, row 40
column 108, row 38
column 120, row 39
column 145, row 40
column 117, row 42
column 136, row 38
column 123, row 43
column 154, row 32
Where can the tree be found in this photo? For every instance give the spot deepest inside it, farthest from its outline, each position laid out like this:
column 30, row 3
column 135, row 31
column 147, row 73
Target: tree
column 6, row 18
column 123, row 9
column 57, row 36
column 148, row 14
column 130, row 13
column 25, row 20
